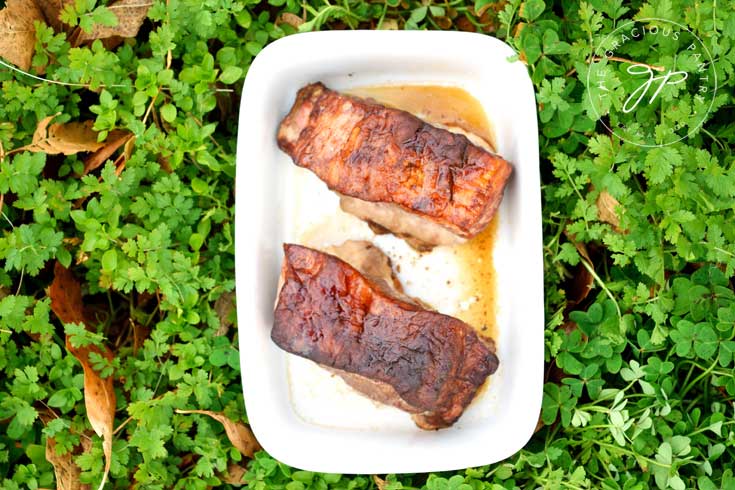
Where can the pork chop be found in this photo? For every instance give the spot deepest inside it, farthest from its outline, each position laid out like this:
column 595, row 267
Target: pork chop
column 360, row 325
column 422, row 182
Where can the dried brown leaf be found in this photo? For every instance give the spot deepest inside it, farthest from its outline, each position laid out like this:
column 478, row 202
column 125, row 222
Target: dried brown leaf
column 580, row 284
column 539, row 423
column 99, row 396
column 389, row 25
column 380, row 483
column 291, row 19
column 581, row 248
column 128, row 148
column 66, row 296
column 606, row 209
column 114, row 140
column 239, row 434
column 165, row 164
column 130, row 16
column 444, row 22
column 67, row 138
column 99, row 400
column 234, row 475
column 120, row 165
column 464, row 24
column 224, row 306
column 51, row 10
column 67, row 472
column 17, row 33
column 140, row 335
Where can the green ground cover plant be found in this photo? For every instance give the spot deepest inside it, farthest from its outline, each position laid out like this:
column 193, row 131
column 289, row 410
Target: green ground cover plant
column 129, row 186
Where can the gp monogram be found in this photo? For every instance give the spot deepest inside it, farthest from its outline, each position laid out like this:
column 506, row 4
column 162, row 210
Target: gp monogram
column 677, row 81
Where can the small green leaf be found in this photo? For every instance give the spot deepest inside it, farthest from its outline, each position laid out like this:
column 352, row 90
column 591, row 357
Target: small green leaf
column 199, row 186
column 196, row 241
column 109, row 260
column 418, row 14
column 305, row 477
column 168, row 112
column 531, row 9
column 253, row 47
column 231, row 74
column 244, row 18
column 63, row 256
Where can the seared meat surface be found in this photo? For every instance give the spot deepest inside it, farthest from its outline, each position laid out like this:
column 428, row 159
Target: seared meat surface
column 381, row 342
column 384, row 160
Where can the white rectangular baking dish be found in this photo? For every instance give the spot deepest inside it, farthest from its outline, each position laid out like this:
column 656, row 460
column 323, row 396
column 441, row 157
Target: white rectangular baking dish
column 299, row 413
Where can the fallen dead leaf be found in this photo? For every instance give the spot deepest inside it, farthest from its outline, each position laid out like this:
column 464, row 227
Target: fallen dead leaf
column 380, row 483
column 72, row 241
column 140, row 334
column 464, row 24
column 239, row 434
column 51, row 10
column 128, row 148
column 234, row 475
column 582, row 249
column 539, row 423
column 579, row 285
column 67, row 472
column 291, row 19
column 114, row 140
column 130, row 16
column 119, row 165
column 606, row 209
column 489, row 19
column 17, row 33
column 224, row 306
column 99, row 400
column 389, row 25
column 67, row 138
column 165, row 164
column 66, row 296
column 444, row 23
column 99, row 396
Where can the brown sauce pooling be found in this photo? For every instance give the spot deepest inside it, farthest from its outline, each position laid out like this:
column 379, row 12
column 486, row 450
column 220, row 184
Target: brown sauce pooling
column 476, row 261
column 455, row 107
column 450, row 106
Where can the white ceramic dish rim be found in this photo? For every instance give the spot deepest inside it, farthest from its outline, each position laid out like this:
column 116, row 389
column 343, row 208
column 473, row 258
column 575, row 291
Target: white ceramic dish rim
column 343, row 451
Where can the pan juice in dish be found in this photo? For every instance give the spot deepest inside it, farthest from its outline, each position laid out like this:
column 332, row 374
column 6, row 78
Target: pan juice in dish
column 457, row 280
column 448, row 106
column 454, row 108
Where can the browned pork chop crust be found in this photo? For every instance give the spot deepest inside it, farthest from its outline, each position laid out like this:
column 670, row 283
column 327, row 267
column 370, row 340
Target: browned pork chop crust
column 373, row 153
column 330, row 313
